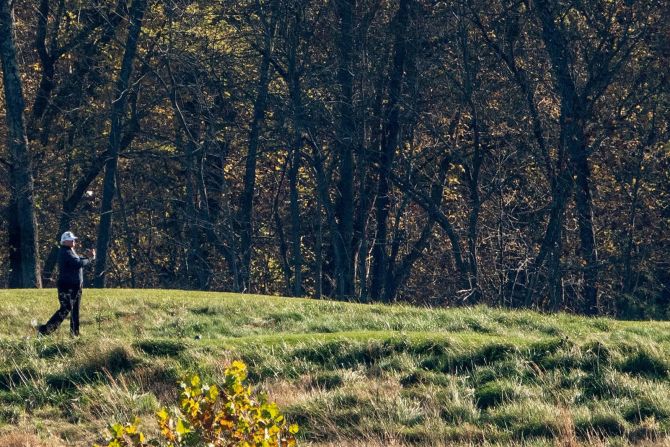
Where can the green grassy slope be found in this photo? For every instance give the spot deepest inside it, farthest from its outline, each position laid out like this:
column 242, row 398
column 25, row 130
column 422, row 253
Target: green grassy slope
column 349, row 374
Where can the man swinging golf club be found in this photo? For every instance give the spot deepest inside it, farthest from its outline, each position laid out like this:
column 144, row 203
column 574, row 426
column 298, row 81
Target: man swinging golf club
column 70, row 283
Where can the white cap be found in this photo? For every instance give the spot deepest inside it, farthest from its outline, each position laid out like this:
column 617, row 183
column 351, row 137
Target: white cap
column 68, row 236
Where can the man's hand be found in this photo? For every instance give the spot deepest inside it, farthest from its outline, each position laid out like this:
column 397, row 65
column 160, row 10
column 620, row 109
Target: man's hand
column 90, row 253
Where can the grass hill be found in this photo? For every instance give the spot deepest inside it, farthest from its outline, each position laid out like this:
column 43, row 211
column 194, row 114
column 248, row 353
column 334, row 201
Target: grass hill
column 349, row 374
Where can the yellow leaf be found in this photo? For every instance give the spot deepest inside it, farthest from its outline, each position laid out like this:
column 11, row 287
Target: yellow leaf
column 213, row 392
column 195, row 381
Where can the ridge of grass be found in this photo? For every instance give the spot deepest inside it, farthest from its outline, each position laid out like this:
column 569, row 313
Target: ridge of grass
column 349, row 374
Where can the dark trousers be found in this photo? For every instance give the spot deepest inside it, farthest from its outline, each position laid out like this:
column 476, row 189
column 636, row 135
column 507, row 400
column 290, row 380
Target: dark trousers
column 69, row 298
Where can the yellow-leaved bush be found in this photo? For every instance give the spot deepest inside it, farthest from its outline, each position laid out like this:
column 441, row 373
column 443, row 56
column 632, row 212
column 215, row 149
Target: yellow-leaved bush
column 213, row 416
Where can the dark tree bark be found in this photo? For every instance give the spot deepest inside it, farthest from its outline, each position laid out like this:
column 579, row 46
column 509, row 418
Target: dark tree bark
column 318, row 255
column 552, row 245
column 390, row 143
column 47, row 61
column 132, row 263
column 245, row 217
column 323, row 181
column 472, row 170
column 344, row 143
column 118, row 110
column 572, row 121
column 22, row 228
column 281, row 238
column 367, row 182
column 628, row 281
column 430, row 203
column 296, row 147
column 432, row 208
column 197, row 269
column 50, row 51
column 560, row 184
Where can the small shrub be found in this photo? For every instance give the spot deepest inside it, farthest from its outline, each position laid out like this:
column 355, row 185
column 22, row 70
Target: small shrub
column 215, row 417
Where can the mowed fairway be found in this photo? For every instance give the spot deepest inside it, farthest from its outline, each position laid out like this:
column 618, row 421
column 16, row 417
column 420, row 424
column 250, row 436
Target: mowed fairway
column 348, row 374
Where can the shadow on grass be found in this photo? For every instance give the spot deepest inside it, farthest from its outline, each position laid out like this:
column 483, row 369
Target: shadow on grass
column 160, row 348
column 647, row 365
column 112, row 362
column 11, row 378
column 469, row 359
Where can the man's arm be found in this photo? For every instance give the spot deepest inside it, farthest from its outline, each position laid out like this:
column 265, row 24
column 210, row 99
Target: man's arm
column 74, row 261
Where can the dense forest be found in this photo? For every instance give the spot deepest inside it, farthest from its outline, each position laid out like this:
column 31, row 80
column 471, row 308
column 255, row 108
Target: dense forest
column 508, row 152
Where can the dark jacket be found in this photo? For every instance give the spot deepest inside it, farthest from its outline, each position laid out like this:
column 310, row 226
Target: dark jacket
column 70, row 267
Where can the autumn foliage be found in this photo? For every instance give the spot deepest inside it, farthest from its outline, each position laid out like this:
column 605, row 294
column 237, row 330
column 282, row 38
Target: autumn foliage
column 215, row 416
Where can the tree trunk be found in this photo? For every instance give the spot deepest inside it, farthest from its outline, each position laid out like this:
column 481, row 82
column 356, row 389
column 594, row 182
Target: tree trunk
column 431, row 205
column 245, row 217
column 296, row 258
column 129, row 240
column 587, row 236
column 43, row 112
column 627, row 281
column 47, row 62
column 22, row 228
column 573, row 144
column 472, row 171
column 572, row 122
column 322, row 183
column 552, row 245
column 367, row 182
column 279, row 228
column 401, row 273
column 389, row 145
column 318, row 256
column 296, row 147
column 198, row 272
column 118, row 110
column 344, row 147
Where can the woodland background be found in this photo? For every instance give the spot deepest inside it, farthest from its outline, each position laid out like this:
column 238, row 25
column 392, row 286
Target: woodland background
column 513, row 153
